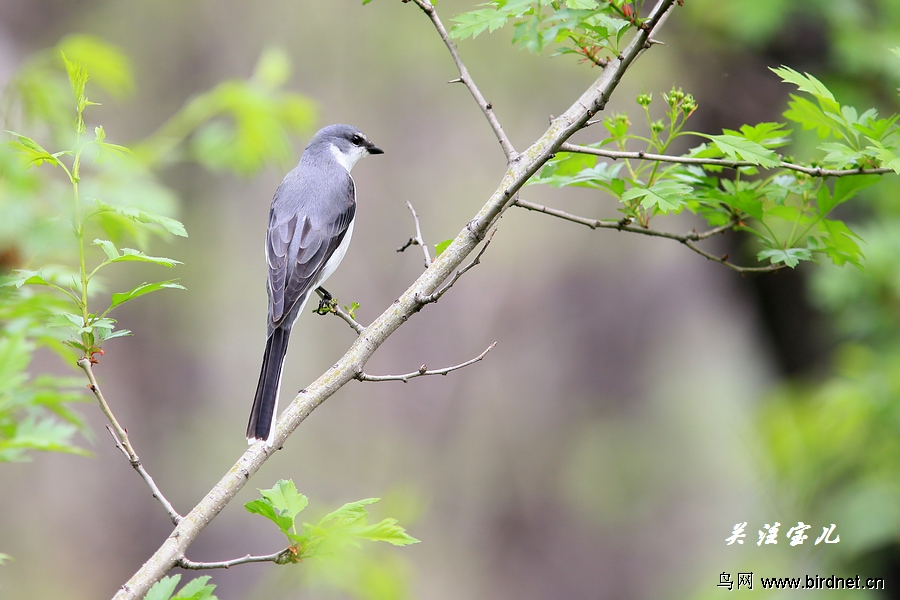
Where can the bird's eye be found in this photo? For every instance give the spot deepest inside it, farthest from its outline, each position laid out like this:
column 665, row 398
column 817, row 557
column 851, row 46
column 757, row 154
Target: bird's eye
column 356, row 139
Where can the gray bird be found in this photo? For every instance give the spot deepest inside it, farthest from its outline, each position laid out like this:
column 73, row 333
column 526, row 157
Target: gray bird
column 310, row 224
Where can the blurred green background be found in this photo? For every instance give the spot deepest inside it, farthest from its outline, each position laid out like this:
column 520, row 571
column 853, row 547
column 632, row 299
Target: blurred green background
column 639, row 402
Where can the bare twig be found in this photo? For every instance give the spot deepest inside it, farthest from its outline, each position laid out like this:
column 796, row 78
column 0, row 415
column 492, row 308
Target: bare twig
column 486, row 107
column 423, row 370
column 477, row 260
column 719, row 162
column 282, row 557
column 336, row 309
column 120, row 437
column 418, row 240
column 687, row 239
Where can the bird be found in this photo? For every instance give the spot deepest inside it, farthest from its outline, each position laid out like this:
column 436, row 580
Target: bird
column 310, row 224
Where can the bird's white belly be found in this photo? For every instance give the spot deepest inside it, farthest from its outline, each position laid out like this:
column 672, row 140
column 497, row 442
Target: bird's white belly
column 336, row 258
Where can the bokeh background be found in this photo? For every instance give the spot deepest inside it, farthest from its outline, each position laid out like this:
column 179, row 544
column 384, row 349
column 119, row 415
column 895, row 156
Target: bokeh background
column 639, row 402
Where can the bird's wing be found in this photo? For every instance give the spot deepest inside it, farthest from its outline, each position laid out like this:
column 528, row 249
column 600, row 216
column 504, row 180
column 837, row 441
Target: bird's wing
column 299, row 244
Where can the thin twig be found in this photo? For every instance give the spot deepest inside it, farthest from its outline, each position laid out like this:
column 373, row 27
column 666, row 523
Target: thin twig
column 418, row 240
column 719, row 162
column 423, row 370
column 278, row 557
column 336, row 309
column 423, row 300
column 120, row 437
column 486, row 107
column 626, row 225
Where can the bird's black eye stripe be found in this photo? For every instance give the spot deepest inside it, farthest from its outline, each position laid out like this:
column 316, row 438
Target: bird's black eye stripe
column 356, row 139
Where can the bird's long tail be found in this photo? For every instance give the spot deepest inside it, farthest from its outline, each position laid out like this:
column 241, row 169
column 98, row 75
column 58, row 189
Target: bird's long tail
column 266, row 401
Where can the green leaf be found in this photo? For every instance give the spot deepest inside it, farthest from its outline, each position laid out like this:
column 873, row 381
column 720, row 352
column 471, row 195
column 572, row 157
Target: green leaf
column 196, row 589
column 805, row 82
column 475, row 22
column 840, row 155
column 285, row 498
column 33, row 152
column 132, row 255
column 441, row 246
column 666, row 195
column 791, row 257
column 739, row 148
column 145, row 288
column 840, row 245
column 802, row 111
column 768, row 135
column 264, row 508
column 163, row 589
column 140, row 216
column 4, row 558
column 387, row 531
column 280, row 504
column 109, row 67
column 846, row 188
column 109, row 248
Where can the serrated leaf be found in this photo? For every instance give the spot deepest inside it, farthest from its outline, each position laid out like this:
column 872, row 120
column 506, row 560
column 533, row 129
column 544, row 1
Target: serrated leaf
column 265, row 509
column 285, row 498
column 33, row 152
column 108, row 247
column 351, row 510
column 791, row 257
column 809, row 116
column 145, row 288
column 164, row 588
column 739, row 148
column 387, row 531
column 140, row 216
column 475, row 22
column 840, row 245
column 665, row 196
column 197, row 589
column 846, row 188
column 805, row 82
column 839, row 154
column 132, row 255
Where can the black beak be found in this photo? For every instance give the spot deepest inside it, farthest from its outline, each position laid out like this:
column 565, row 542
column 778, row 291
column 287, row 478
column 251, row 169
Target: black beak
column 373, row 149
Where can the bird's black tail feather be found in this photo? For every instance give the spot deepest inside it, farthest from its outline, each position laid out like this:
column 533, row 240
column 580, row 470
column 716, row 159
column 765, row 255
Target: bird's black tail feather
column 266, row 401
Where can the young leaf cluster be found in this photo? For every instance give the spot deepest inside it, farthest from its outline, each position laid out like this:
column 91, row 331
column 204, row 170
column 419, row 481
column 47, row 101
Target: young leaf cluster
column 591, row 29
column 345, row 526
column 736, row 179
column 89, row 329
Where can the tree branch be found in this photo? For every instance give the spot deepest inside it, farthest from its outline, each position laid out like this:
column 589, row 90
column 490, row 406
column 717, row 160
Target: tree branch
column 336, row 309
column 486, row 107
column 408, row 304
column 423, row 370
column 477, row 260
column 719, row 162
column 278, row 558
column 120, row 437
column 687, row 239
column 418, row 240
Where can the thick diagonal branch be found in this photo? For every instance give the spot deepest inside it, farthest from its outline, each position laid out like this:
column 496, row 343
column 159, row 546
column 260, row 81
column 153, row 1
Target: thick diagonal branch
column 408, row 304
